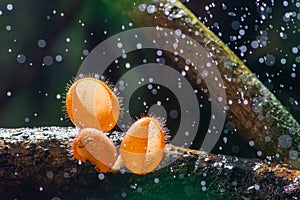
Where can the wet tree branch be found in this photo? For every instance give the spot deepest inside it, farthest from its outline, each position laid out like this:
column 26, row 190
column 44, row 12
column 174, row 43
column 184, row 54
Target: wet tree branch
column 38, row 163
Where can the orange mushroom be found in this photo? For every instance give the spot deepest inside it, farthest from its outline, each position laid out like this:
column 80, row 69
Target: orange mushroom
column 90, row 103
column 143, row 146
column 93, row 145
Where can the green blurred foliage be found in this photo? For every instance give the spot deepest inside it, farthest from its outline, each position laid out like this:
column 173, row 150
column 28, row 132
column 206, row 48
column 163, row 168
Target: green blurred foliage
column 34, row 86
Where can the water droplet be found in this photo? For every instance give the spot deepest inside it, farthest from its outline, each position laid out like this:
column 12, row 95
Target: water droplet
column 254, row 44
column 124, row 55
column 293, row 75
column 151, row 9
column 159, row 52
column 295, row 50
column 119, row 45
column 251, row 143
column 259, row 153
column 127, row 65
column 243, row 49
column 283, row 61
column 178, row 32
column 139, row 189
column 242, row 32
column 122, row 87
column 48, row 60
column 154, row 91
column 158, row 103
column 142, row 7
column 9, row 7
column 85, row 52
column 269, row 60
column 293, row 154
column 49, row 174
column 42, row 43
column 174, row 114
column 8, row 27
column 124, row 194
column 101, row 176
column 139, row 46
column 235, row 25
column 21, row 58
column 186, row 133
column 27, row 119
column 285, row 141
column 58, row 58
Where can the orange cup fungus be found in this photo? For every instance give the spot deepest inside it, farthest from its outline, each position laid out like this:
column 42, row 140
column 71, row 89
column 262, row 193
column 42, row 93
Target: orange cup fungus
column 93, row 145
column 143, row 146
column 95, row 109
column 90, row 103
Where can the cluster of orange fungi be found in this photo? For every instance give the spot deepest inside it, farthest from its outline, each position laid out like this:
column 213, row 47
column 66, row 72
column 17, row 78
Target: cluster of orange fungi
column 94, row 108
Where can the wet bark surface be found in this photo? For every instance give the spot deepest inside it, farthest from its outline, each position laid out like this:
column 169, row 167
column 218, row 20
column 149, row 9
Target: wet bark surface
column 38, row 163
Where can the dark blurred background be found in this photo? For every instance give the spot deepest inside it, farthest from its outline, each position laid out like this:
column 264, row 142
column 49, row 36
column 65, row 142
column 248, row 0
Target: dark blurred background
column 42, row 45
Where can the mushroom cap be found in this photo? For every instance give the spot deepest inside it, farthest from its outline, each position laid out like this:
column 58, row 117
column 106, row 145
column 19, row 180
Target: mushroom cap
column 93, row 145
column 142, row 148
column 91, row 103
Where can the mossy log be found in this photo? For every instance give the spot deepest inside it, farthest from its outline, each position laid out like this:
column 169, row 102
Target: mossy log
column 38, row 163
column 263, row 119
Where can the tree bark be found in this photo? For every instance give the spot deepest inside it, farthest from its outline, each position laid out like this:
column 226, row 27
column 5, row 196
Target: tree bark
column 263, row 119
column 38, row 163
